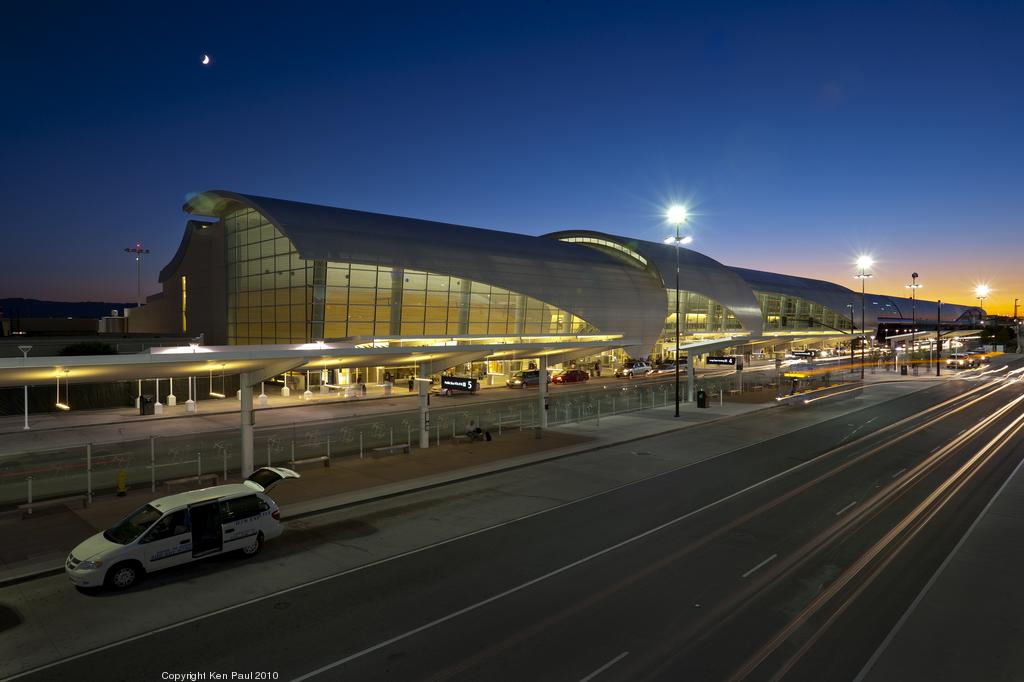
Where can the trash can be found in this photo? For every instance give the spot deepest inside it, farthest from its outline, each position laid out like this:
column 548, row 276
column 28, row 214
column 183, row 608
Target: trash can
column 146, row 404
column 903, row 370
column 702, row 398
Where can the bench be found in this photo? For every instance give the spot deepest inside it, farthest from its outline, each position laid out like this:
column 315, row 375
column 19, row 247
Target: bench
column 29, row 507
column 310, row 461
column 189, row 481
column 391, row 449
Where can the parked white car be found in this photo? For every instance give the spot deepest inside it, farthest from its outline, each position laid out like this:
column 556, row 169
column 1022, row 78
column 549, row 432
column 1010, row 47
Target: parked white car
column 177, row 529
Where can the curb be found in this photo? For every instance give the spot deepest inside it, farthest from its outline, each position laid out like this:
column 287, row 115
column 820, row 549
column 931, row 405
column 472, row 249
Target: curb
column 456, row 477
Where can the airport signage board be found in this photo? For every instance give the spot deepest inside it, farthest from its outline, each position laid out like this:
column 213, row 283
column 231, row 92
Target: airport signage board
column 720, row 360
column 804, row 354
column 458, row 383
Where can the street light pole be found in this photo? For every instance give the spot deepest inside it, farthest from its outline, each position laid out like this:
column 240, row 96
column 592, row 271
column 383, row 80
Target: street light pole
column 677, row 321
column 864, row 262
column 913, row 286
column 24, row 355
column 938, row 338
column 676, row 215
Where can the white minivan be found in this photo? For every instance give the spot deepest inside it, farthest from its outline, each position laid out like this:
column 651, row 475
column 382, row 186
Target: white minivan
column 180, row 528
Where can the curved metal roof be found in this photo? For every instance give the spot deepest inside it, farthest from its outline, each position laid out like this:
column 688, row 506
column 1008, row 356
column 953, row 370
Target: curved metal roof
column 582, row 281
column 697, row 272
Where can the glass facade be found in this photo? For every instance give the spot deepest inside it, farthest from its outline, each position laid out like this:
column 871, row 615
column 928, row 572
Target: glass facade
column 276, row 297
column 270, row 289
column 782, row 312
column 698, row 314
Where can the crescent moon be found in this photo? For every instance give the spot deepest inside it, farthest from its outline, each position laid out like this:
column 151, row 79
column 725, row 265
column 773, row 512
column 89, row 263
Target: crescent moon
column 206, row 59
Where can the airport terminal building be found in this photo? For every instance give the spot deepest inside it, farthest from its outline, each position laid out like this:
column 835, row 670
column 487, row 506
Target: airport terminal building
column 254, row 271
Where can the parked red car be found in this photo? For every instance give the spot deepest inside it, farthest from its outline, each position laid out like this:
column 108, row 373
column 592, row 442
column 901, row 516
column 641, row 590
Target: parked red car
column 571, row 376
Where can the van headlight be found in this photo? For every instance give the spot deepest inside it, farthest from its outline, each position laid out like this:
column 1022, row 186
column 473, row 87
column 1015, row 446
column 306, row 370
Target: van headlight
column 89, row 565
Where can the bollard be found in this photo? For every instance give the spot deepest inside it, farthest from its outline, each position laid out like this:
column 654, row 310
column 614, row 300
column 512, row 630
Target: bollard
column 293, row 452
column 122, row 483
column 391, row 431
column 360, row 445
column 29, row 494
column 88, row 473
column 328, row 447
column 152, row 464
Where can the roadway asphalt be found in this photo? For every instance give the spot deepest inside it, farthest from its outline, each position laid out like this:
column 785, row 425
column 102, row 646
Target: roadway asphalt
column 778, row 556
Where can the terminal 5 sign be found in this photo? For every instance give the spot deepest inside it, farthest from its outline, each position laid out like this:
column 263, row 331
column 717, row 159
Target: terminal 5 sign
column 458, row 383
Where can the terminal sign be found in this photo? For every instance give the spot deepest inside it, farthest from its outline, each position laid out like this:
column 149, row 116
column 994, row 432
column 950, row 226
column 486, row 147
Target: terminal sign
column 720, row 360
column 458, row 383
column 804, row 354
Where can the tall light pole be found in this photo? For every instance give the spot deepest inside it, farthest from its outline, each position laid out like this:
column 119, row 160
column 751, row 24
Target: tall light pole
column 138, row 251
column 24, row 354
column 676, row 216
column 864, row 263
column 913, row 286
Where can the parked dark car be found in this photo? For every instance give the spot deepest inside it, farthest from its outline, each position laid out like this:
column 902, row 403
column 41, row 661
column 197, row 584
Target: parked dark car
column 524, row 378
column 571, row 376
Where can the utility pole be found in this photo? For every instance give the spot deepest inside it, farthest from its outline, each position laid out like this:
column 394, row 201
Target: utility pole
column 938, row 339
column 139, row 252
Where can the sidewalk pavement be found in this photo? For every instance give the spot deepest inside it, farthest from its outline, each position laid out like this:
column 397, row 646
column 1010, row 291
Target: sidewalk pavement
column 968, row 621
column 37, row 546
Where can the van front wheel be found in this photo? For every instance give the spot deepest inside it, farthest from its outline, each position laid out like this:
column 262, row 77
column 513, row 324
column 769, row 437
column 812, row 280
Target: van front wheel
column 124, row 575
column 253, row 548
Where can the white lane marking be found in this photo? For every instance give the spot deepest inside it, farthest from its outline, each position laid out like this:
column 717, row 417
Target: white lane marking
column 931, row 581
column 605, row 667
column 760, row 565
column 846, row 508
column 871, row 420
column 903, row 469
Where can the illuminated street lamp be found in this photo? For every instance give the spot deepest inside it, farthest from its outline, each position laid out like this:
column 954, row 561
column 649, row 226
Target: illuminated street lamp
column 676, row 216
column 913, row 286
column 981, row 292
column 864, row 263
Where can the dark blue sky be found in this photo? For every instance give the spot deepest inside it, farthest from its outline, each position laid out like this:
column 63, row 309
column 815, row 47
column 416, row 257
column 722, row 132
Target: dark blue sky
column 802, row 132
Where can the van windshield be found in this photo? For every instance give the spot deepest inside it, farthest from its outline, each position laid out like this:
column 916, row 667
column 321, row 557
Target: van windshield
column 134, row 525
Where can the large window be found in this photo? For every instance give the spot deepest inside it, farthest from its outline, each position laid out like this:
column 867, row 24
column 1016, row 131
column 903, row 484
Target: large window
column 698, row 314
column 791, row 312
column 276, row 297
column 270, row 289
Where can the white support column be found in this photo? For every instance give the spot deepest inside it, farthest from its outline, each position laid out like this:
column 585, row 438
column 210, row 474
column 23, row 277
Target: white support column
column 248, row 417
column 542, row 391
column 172, row 399
column 424, row 404
column 138, row 396
column 190, row 404
column 691, row 360
column 158, row 407
column 263, row 396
